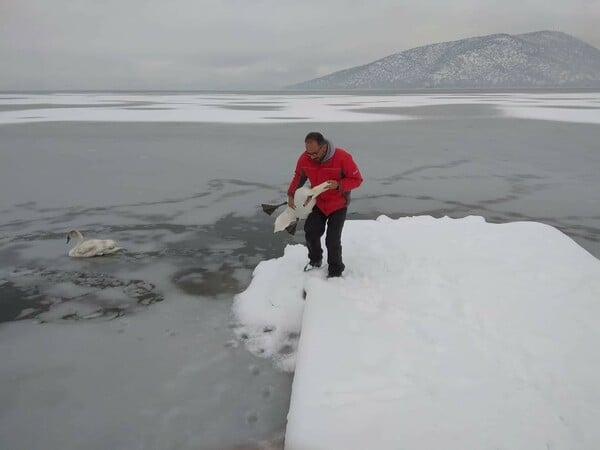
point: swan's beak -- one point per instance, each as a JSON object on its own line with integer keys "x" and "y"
{"x": 68, "y": 238}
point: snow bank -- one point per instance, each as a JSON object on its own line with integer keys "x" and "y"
{"x": 443, "y": 333}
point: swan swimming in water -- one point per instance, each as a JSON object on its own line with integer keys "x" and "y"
{"x": 86, "y": 248}
{"x": 304, "y": 201}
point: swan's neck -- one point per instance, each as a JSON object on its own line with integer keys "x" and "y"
{"x": 319, "y": 189}
{"x": 79, "y": 237}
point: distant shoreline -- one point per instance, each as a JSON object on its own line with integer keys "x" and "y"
{"x": 312, "y": 91}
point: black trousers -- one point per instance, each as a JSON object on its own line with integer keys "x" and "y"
{"x": 314, "y": 227}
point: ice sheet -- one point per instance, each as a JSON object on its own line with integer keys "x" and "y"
{"x": 280, "y": 108}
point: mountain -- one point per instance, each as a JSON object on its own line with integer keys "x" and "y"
{"x": 538, "y": 59}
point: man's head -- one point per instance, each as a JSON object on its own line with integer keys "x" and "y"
{"x": 315, "y": 145}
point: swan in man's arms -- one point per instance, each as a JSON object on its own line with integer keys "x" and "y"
{"x": 86, "y": 248}
{"x": 305, "y": 199}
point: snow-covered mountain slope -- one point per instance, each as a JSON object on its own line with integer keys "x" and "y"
{"x": 538, "y": 59}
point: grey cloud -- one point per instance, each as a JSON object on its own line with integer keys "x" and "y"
{"x": 236, "y": 44}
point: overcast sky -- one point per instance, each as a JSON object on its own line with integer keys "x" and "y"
{"x": 245, "y": 44}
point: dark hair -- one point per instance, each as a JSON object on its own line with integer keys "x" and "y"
{"x": 315, "y": 136}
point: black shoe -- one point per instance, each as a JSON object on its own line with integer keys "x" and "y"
{"x": 312, "y": 265}
{"x": 335, "y": 271}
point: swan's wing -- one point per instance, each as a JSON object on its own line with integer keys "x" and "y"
{"x": 113, "y": 250}
{"x": 300, "y": 198}
{"x": 96, "y": 247}
{"x": 109, "y": 243}
{"x": 302, "y": 210}
{"x": 108, "y": 247}
{"x": 283, "y": 220}
{"x": 301, "y": 195}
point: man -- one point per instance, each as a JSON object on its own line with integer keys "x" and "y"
{"x": 322, "y": 162}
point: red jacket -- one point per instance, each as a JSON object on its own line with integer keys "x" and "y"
{"x": 340, "y": 167}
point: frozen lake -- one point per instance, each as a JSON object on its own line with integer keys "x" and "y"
{"x": 138, "y": 350}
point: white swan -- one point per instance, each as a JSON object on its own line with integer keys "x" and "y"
{"x": 304, "y": 201}
{"x": 91, "y": 247}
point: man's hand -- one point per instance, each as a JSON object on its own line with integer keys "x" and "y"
{"x": 291, "y": 202}
{"x": 332, "y": 184}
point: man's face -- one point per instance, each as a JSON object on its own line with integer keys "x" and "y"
{"x": 314, "y": 150}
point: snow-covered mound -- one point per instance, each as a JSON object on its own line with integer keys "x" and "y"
{"x": 538, "y": 59}
{"x": 443, "y": 333}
